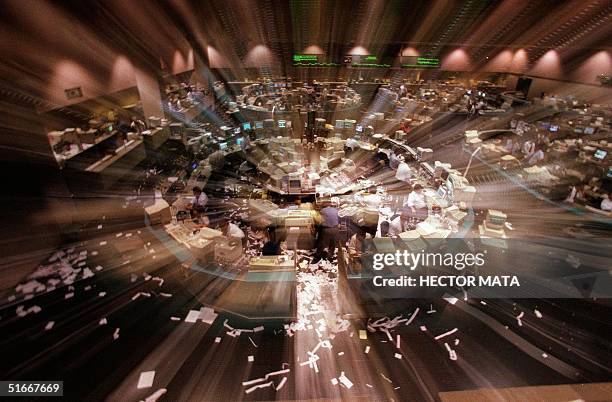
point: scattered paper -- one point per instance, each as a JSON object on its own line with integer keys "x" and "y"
{"x": 192, "y": 316}
{"x": 146, "y": 379}
{"x": 452, "y": 331}
{"x": 281, "y": 383}
{"x": 345, "y": 381}
{"x": 156, "y": 395}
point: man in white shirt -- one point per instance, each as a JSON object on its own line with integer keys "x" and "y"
{"x": 417, "y": 202}
{"x": 198, "y": 203}
{"x": 606, "y": 203}
{"x": 231, "y": 230}
{"x": 351, "y": 143}
{"x": 404, "y": 173}
{"x": 536, "y": 157}
{"x": 399, "y": 224}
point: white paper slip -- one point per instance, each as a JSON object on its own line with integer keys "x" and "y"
{"x": 207, "y": 315}
{"x": 192, "y": 316}
{"x": 146, "y": 379}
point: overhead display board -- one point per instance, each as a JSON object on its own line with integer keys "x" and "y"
{"x": 420, "y": 62}
{"x": 312, "y": 60}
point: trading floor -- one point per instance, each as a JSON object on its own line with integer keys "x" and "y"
{"x": 234, "y": 205}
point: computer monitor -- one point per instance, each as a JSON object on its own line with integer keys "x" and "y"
{"x": 449, "y": 186}
{"x": 246, "y": 126}
{"x": 609, "y": 172}
{"x": 600, "y": 154}
{"x": 295, "y": 184}
{"x": 237, "y": 130}
{"x": 223, "y": 146}
{"x": 553, "y": 128}
{"x": 544, "y": 125}
{"x": 589, "y": 130}
{"x": 258, "y": 125}
{"x": 441, "y": 191}
{"x": 239, "y": 141}
{"x": 282, "y": 123}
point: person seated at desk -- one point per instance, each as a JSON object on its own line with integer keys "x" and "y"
{"x": 272, "y": 245}
{"x": 359, "y": 246}
{"x": 232, "y": 230}
{"x": 536, "y": 157}
{"x": 400, "y": 223}
{"x": 384, "y": 229}
{"x": 198, "y": 203}
{"x": 606, "y": 203}
{"x": 417, "y": 202}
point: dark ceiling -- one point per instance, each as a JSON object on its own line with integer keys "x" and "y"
{"x": 146, "y": 31}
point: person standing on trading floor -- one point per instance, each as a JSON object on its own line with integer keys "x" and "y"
{"x": 417, "y": 203}
{"x": 328, "y": 235}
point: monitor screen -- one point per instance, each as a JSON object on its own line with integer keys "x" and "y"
{"x": 282, "y": 123}
{"x": 600, "y": 154}
{"x": 239, "y": 140}
{"x": 246, "y": 126}
{"x": 442, "y": 191}
{"x": 589, "y": 130}
{"x": 554, "y": 128}
{"x": 359, "y": 128}
{"x": 259, "y": 124}
{"x": 237, "y": 130}
{"x": 610, "y": 171}
{"x": 449, "y": 186}
{"x": 223, "y": 146}
{"x": 295, "y": 184}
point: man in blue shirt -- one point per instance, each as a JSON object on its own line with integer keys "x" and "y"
{"x": 328, "y": 233}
